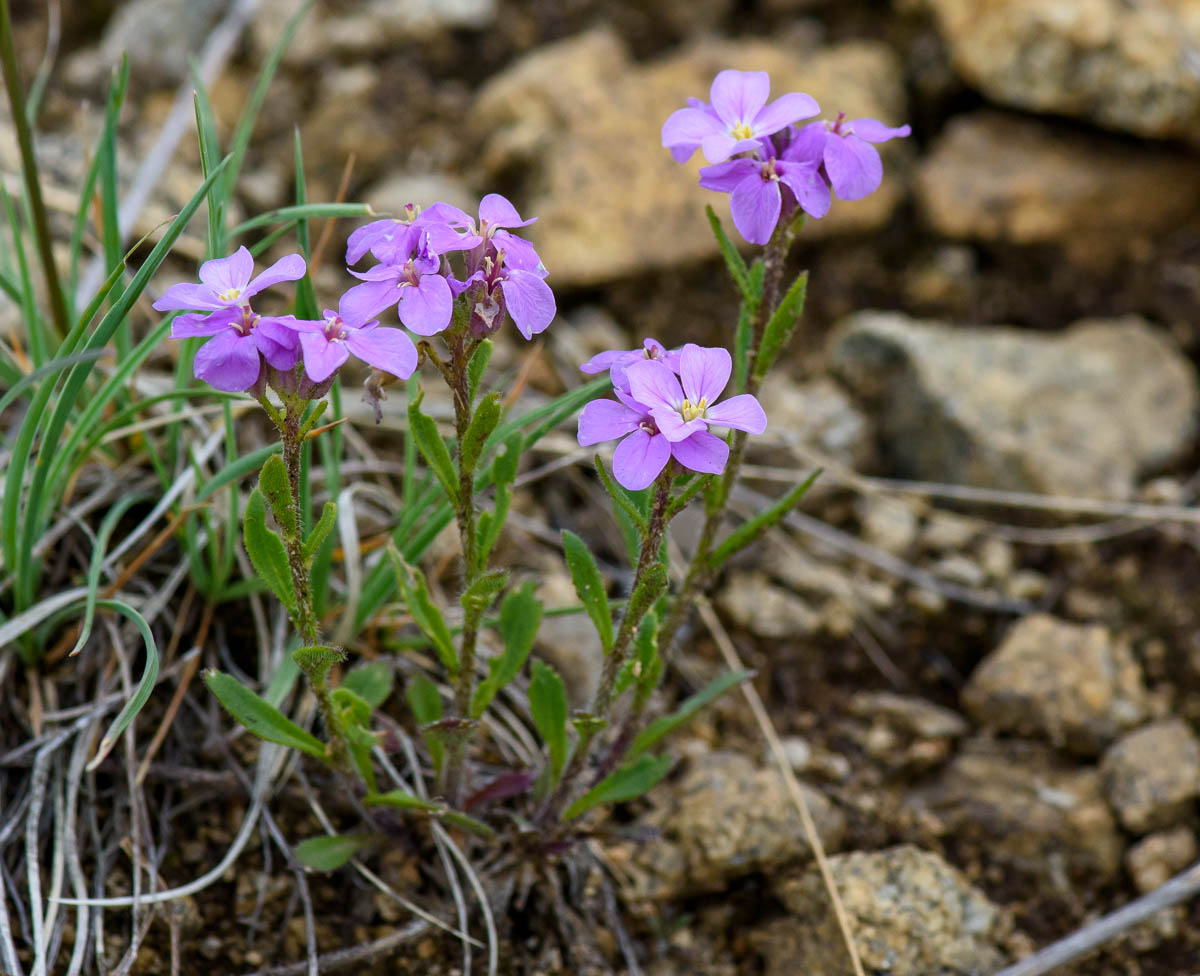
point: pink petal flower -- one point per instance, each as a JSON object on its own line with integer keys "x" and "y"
{"x": 639, "y": 459}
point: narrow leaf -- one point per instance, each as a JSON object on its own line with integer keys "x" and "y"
{"x": 487, "y": 416}
{"x": 261, "y": 717}
{"x": 401, "y": 800}
{"x": 589, "y": 584}
{"x": 321, "y": 530}
{"x": 267, "y": 553}
{"x": 478, "y": 366}
{"x": 479, "y": 595}
{"x": 426, "y": 703}
{"x": 664, "y": 725}
{"x": 316, "y": 660}
{"x": 424, "y": 612}
{"x": 733, "y": 260}
{"x": 273, "y": 483}
{"x": 372, "y": 683}
{"x": 627, "y": 783}
{"x": 432, "y": 448}
{"x": 520, "y": 616}
{"x": 508, "y": 457}
{"x": 781, "y": 325}
{"x": 548, "y": 705}
{"x": 330, "y": 852}
{"x": 747, "y": 532}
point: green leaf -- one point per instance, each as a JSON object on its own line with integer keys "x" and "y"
{"x": 426, "y": 703}
{"x": 747, "y": 532}
{"x": 733, "y": 260}
{"x": 273, "y": 483}
{"x": 432, "y": 447}
{"x": 330, "y": 852}
{"x": 316, "y": 660}
{"x": 589, "y": 584}
{"x": 492, "y": 523}
{"x": 321, "y": 530}
{"x": 548, "y": 704}
{"x": 630, "y": 781}
{"x": 424, "y": 612}
{"x": 653, "y": 585}
{"x": 401, "y": 800}
{"x": 480, "y": 594}
{"x": 664, "y": 725}
{"x": 261, "y": 717}
{"x": 267, "y": 553}
{"x": 487, "y": 416}
{"x": 781, "y": 325}
{"x": 741, "y": 346}
{"x": 141, "y": 694}
{"x": 520, "y": 615}
{"x": 478, "y": 366}
{"x": 371, "y": 682}
{"x": 508, "y": 457}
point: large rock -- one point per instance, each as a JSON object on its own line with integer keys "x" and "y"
{"x": 1152, "y": 776}
{"x": 912, "y": 915}
{"x": 1026, "y": 809}
{"x": 725, "y": 818}
{"x": 997, "y": 177}
{"x": 581, "y": 122}
{"x": 1076, "y": 686}
{"x": 1081, "y": 413}
{"x": 1125, "y": 66}
{"x": 159, "y": 36}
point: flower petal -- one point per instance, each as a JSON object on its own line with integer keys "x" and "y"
{"x": 606, "y": 420}
{"x": 808, "y": 144}
{"x": 742, "y": 412}
{"x": 872, "y": 130}
{"x": 519, "y": 254}
{"x": 811, "y": 192}
{"x": 755, "y": 206}
{"x": 686, "y": 128}
{"x": 719, "y": 146}
{"x": 279, "y": 344}
{"x": 530, "y": 302}
{"x": 602, "y": 361}
{"x": 377, "y": 231}
{"x": 322, "y": 358}
{"x": 703, "y": 452}
{"x": 390, "y": 350}
{"x": 727, "y": 176}
{"x": 854, "y": 167}
{"x": 364, "y": 302}
{"x": 204, "y": 324}
{"x": 738, "y": 95}
{"x": 704, "y": 372}
{"x": 426, "y": 308}
{"x": 639, "y": 459}
{"x": 228, "y": 361}
{"x": 672, "y": 425}
{"x": 188, "y": 295}
{"x": 783, "y": 112}
{"x": 288, "y": 268}
{"x": 228, "y": 274}
{"x": 652, "y": 383}
{"x": 498, "y": 212}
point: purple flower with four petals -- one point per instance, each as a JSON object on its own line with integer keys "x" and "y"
{"x": 617, "y": 361}
{"x": 659, "y": 419}
{"x": 413, "y": 280}
{"x": 850, "y": 163}
{"x": 327, "y": 344}
{"x": 239, "y": 338}
{"x": 736, "y": 119}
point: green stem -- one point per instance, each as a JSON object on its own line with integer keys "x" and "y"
{"x": 16, "y": 100}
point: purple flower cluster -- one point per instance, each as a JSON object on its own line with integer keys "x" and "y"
{"x": 666, "y": 401}
{"x": 502, "y": 274}
{"x": 768, "y": 165}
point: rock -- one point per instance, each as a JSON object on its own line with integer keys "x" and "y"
{"x": 1002, "y": 178}
{"x": 912, "y": 915}
{"x": 367, "y": 26}
{"x": 1027, "y": 810}
{"x": 1152, "y": 776}
{"x": 913, "y": 716}
{"x": 582, "y": 123}
{"x": 1152, "y": 861}
{"x": 818, "y": 416}
{"x": 726, "y": 818}
{"x": 1122, "y": 66}
{"x": 1082, "y": 413}
{"x": 1075, "y": 685}
{"x": 764, "y": 609}
{"x": 887, "y": 523}
{"x": 159, "y": 36}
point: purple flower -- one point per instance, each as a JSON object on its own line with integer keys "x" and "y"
{"x": 851, "y": 164}
{"x": 617, "y": 361}
{"x": 226, "y": 282}
{"x": 392, "y": 240}
{"x": 757, "y": 186}
{"x": 414, "y": 281}
{"x": 504, "y": 274}
{"x": 327, "y": 344}
{"x": 239, "y": 338}
{"x": 682, "y": 411}
{"x": 737, "y": 118}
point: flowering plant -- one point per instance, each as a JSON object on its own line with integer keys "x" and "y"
{"x": 681, "y": 418}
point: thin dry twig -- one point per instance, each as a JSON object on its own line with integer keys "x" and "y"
{"x": 734, "y": 662}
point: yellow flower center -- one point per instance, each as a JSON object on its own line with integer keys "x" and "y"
{"x": 742, "y": 131}
{"x": 690, "y": 411}
{"x": 231, "y": 295}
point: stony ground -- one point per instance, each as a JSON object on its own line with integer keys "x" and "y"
{"x": 992, "y": 698}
